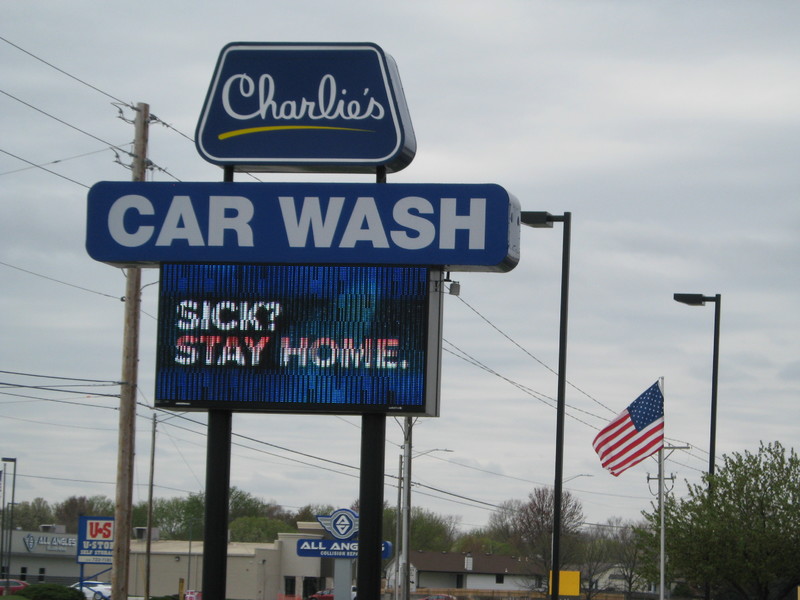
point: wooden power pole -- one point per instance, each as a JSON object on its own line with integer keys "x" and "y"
{"x": 128, "y": 390}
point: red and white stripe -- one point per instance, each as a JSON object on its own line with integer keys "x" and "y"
{"x": 620, "y": 446}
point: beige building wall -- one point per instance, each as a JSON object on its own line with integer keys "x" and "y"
{"x": 255, "y": 571}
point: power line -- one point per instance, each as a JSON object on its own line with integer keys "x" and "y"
{"x": 54, "y": 162}
{"x": 59, "y": 377}
{"x": 52, "y": 66}
{"x": 5, "y": 264}
{"x": 513, "y": 341}
{"x": 33, "y": 164}
{"x": 63, "y": 122}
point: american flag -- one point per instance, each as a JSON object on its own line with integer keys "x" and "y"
{"x": 634, "y": 434}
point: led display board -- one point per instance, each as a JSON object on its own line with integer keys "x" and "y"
{"x": 302, "y": 339}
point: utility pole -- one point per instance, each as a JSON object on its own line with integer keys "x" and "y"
{"x": 128, "y": 389}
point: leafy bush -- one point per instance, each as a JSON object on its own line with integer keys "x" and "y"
{"x": 50, "y": 591}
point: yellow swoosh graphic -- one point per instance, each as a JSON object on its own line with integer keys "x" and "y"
{"x": 249, "y": 130}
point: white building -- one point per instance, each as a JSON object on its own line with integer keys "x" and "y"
{"x": 255, "y": 571}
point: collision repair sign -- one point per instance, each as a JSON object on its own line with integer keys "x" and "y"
{"x": 305, "y": 107}
{"x": 462, "y": 227}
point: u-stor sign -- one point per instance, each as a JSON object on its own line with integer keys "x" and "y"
{"x": 466, "y": 227}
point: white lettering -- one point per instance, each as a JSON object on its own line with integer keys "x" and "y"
{"x": 364, "y": 211}
{"x": 220, "y": 219}
{"x": 322, "y": 228}
{"x": 180, "y": 224}
{"x": 116, "y": 220}
{"x": 426, "y": 231}
{"x": 330, "y": 101}
{"x": 474, "y": 222}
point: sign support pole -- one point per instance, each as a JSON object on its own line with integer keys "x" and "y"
{"x": 218, "y": 481}
{"x": 370, "y": 496}
{"x": 370, "y": 500}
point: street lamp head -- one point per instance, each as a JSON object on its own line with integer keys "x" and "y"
{"x": 691, "y": 299}
{"x": 537, "y": 219}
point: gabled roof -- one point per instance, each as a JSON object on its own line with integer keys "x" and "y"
{"x": 456, "y": 562}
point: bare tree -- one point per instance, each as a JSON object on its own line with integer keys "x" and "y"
{"x": 597, "y": 555}
{"x": 628, "y": 554}
{"x": 534, "y": 525}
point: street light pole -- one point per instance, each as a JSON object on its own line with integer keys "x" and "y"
{"x": 403, "y": 556}
{"x": 700, "y": 300}
{"x": 544, "y": 219}
{"x": 6, "y": 566}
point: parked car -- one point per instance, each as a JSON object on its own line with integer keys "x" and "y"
{"x": 328, "y": 594}
{"x": 12, "y": 585}
{"x": 94, "y": 590}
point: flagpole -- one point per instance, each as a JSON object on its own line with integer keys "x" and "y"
{"x": 661, "y": 505}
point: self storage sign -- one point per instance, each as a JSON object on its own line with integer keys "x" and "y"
{"x": 95, "y": 540}
{"x": 305, "y": 107}
{"x": 461, "y": 227}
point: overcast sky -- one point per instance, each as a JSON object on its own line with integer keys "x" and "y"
{"x": 670, "y": 131}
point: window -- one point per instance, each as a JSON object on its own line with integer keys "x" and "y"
{"x": 23, "y": 573}
{"x": 499, "y": 578}
{"x": 41, "y": 574}
{"x": 289, "y": 586}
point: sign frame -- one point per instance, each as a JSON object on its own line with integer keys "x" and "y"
{"x": 89, "y": 552}
{"x": 364, "y": 351}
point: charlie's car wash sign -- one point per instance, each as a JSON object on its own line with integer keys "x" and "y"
{"x": 461, "y": 227}
{"x": 321, "y": 107}
{"x": 322, "y": 339}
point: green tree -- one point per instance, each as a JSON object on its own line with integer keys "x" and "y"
{"x": 67, "y": 512}
{"x": 309, "y": 512}
{"x": 257, "y": 529}
{"x": 740, "y": 529}
{"x": 29, "y": 515}
{"x": 179, "y": 518}
{"x": 430, "y": 531}
{"x": 483, "y": 541}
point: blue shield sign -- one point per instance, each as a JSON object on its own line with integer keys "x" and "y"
{"x": 309, "y": 107}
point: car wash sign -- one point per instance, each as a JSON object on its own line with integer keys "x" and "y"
{"x": 310, "y": 107}
{"x": 462, "y": 227}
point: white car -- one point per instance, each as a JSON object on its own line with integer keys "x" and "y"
{"x": 94, "y": 590}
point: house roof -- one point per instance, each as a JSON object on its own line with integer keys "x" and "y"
{"x": 456, "y": 562}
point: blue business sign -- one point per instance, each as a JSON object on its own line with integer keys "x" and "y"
{"x": 301, "y": 339}
{"x": 335, "y": 548}
{"x": 320, "y": 107}
{"x": 460, "y": 227}
{"x": 95, "y": 540}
